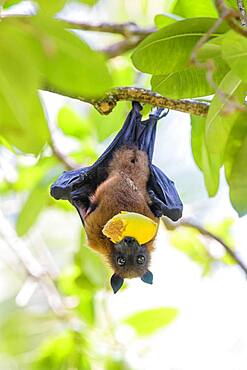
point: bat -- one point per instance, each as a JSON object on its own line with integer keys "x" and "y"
{"x": 122, "y": 179}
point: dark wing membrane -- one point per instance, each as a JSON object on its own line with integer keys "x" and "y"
{"x": 67, "y": 181}
{"x": 164, "y": 195}
{"x": 133, "y": 132}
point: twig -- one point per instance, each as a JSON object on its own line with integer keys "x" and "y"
{"x": 187, "y": 223}
{"x": 243, "y": 16}
{"x": 230, "y": 15}
{"x": 128, "y": 29}
{"x": 106, "y": 103}
{"x": 209, "y": 64}
{"x": 122, "y": 46}
{"x": 34, "y": 270}
{"x": 68, "y": 163}
{"x": 132, "y": 33}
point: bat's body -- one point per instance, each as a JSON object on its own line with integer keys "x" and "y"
{"x": 122, "y": 179}
{"x": 125, "y": 189}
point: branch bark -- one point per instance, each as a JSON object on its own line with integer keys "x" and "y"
{"x": 188, "y": 223}
{"x": 230, "y": 15}
{"x": 243, "y": 16}
{"x": 106, "y": 103}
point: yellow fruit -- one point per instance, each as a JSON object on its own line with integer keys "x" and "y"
{"x": 138, "y": 226}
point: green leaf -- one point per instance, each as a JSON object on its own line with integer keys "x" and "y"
{"x": 88, "y": 2}
{"x": 234, "y": 4}
{"x": 149, "y": 321}
{"x": 67, "y": 350}
{"x": 169, "y": 49}
{"x": 162, "y": 20}
{"x": 194, "y": 8}
{"x": 234, "y": 51}
{"x": 36, "y": 202}
{"x": 169, "y": 5}
{"x": 238, "y": 180}
{"x": 69, "y": 64}
{"x": 48, "y": 8}
{"x": 235, "y": 142}
{"x": 8, "y": 3}
{"x": 197, "y": 138}
{"x": 201, "y": 155}
{"x": 116, "y": 364}
{"x": 218, "y": 124}
{"x": 107, "y": 125}
{"x": 22, "y": 121}
{"x": 21, "y": 330}
{"x": 72, "y": 124}
{"x": 192, "y": 82}
{"x": 188, "y": 241}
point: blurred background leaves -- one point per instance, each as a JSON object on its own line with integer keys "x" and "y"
{"x": 63, "y": 316}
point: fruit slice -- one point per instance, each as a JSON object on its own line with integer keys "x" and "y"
{"x": 138, "y": 226}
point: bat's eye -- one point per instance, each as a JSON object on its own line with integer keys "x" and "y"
{"x": 140, "y": 259}
{"x": 121, "y": 261}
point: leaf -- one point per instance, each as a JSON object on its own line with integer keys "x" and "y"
{"x": 88, "y": 2}
{"x": 68, "y": 63}
{"x": 8, "y": 3}
{"x": 162, "y": 20}
{"x": 219, "y": 125}
{"x": 235, "y": 142}
{"x": 107, "y": 125}
{"x": 67, "y": 350}
{"x": 201, "y": 155}
{"x": 72, "y": 124}
{"x": 234, "y": 51}
{"x": 238, "y": 180}
{"x": 36, "y": 201}
{"x": 34, "y": 204}
{"x": 194, "y": 8}
{"x": 21, "y": 330}
{"x": 188, "y": 241}
{"x": 22, "y": 121}
{"x": 149, "y": 321}
{"x": 169, "y": 49}
{"x": 192, "y": 82}
{"x": 197, "y": 138}
{"x": 234, "y": 4}
{"x": 49, "y": 8}
{"x": 116, "y": 364}
{"x": 169, "y": 5}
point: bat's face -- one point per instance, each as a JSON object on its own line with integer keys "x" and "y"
{"x": 129, "y": 259}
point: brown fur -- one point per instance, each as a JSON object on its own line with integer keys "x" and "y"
{"x": 125, "y": 189}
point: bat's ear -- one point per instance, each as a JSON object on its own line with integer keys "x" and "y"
{"x": 147, "y": 277}
{"x": 116, "y": 282}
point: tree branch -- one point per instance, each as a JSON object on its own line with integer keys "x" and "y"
{"x": 243, "y": 16}
{"x": 106, "y": 103}
{"x": 127, "y": 30}
{"x": 230, "y": 15}
{"x": 68, "y": 163}
{"x": 37, "y": 274}
{"x": 188, "y": 223}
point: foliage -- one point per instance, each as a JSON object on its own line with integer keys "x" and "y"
{"x": 41, "y": 53}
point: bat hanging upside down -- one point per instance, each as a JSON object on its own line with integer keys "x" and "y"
{"x": 122, "y": 179}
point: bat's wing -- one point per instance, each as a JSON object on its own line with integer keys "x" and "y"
{"x": 76, "y": 186}
{"x": 163, "y": 194}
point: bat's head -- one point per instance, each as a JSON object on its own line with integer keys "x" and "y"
{"x": 129, "y": 259}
